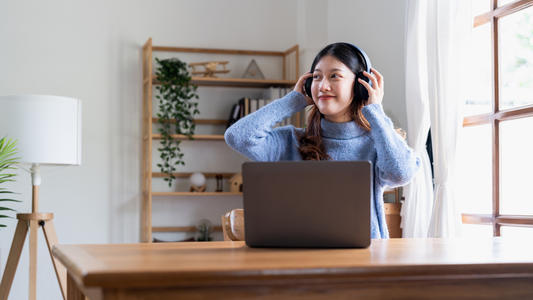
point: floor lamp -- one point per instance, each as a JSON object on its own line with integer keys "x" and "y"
{"x": 48, "y": 132}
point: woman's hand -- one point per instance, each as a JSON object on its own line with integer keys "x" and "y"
{"x": 299, "y": 87}
{"x": 375, "y": 92}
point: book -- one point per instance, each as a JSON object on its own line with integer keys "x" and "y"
{"x": 253, "y": 105}
{"x": 234, "y": 115}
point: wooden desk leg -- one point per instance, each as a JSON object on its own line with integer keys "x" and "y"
{"x": 51, "y": 241}
{"x": 33, "y": 260}
{"x": 13, "y": 258}
{"x": 73, "y": 292}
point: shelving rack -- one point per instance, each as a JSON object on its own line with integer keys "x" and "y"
{"x": 149, "y": 81}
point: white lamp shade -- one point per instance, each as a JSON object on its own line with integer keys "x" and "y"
{"x": 47, "y": 128}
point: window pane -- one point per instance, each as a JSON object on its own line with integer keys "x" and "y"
{"x": 503, "y": 2}
{"x": 479, "y": 98}
{"x": 516, "y": 59}
{"x": 476, "y": 231}
{"x": 522, "y": 233}
{"x": 480, "y": 7}
{"x": 516, "y": 156}
{"x": 474, "y": 163}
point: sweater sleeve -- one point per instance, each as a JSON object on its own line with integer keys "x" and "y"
{"x": 396, "y": 163}
{"x": 254, "y": 135}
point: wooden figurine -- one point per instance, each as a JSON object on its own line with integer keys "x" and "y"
{"x": 210, "y": 68}
{"x": 197, "y": 189}
{"x": 220, "y": 186}
{"x": 235, "y": 183}
{"x": 197, "y": 182}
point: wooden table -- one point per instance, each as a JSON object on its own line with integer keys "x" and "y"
{"x": 390, "y": 269}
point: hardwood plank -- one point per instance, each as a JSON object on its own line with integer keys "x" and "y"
{"x": 235, "y": 264}
{"x": 32, "y": 294}
{"x": 195, "y": 194}
{"x": 146, "y": 200}
{"x": 198, "y": 137}
{"x": 181, "y": 229}
{"x": 485, "y": 219}
{"x": 199, "y": 121}
{"x": 13, "y": 258}
{"x": 185, "y": 175}
{"x": 515, "y": 220}
{"x": 482, "y": 219}
{"x": 216, "y": 51}
{"x": 443, "y": 289}
{"x": 51, "y": 240}
{"x": 73, "y": 292}
{"x": 502, "y": 11}
{"x": 291, "y": 49}
{"x": 237, "y": 82}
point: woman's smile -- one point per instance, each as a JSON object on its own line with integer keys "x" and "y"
{"x": 326, "y": 97}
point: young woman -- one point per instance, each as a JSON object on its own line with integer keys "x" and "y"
{"x": 346, "y": 122}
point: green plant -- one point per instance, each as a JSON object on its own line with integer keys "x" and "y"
{"x": 7, "y": 162}
{"x": 176, "y": 111}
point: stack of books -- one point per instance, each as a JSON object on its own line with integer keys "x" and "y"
{"x": 247, "y": 105}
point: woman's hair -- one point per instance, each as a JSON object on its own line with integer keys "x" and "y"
{"x": 311, "y": 144}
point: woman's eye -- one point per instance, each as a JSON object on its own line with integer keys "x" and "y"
{"x": 334, "y": 76}
{"x": 316, "y": 76}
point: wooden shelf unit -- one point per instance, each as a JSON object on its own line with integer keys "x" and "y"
{"x": 149, "y": 81}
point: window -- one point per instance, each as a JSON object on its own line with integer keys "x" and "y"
{"x": 495, "y": 158}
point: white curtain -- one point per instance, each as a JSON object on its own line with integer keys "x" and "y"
{"x": 436, "y": 75}
{"x": 448, "y": 23}
{"x": 416, "y": 210}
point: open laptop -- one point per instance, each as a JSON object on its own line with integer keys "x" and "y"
{"x": 307, "y": 203}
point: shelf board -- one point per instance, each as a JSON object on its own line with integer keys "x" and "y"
{"x": 238, "y": 82}
{"x": 198, "y": 137}
{"x": 197, "y": 194}
{"x": 186, "y": 174}
{"x": 181, "y": 229}
{"x": 220, "y": 51}
{"x": 198, "y": 121}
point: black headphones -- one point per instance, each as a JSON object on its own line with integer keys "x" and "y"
{"x": 359, "y": 91}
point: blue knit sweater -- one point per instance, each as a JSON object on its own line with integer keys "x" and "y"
{"x": 394, "y": 162}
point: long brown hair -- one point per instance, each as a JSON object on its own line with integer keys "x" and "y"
{"x": 311, "y": 144}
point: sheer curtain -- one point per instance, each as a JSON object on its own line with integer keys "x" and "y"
{"x": 416, "y": 210}
{"x": 436, "y": 37}
{"x": 447, "y": 28}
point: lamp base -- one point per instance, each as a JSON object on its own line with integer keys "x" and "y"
{"x": 31, "y": 221}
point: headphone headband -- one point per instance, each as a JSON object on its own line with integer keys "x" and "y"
{"x": 365, "y": 60}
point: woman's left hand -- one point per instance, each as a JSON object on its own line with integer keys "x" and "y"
{"x": 376, "y": 91}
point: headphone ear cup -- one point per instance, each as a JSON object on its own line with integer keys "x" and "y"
{"x": 307, "y": 86}
{"x": 359, "y": 90}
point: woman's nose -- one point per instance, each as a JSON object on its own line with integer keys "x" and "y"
{"x": 324, "y": 85}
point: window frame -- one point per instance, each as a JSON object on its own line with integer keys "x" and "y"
{"x": 494, "y": 118}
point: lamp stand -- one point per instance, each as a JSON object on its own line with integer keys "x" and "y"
{"x": 31, "y": 221}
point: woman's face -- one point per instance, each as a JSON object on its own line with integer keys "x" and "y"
{"x": 332, "y": 89}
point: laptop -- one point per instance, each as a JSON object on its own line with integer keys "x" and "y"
{"x": 323, "y": 204}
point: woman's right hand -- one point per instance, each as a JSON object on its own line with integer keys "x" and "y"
{"x": 299, "y": 87}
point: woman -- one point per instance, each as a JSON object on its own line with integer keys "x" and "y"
{"x": 346, "y": 122}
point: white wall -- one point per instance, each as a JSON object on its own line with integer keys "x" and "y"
{"x": 378, "y": 27}
{"x": 92, "y": 50}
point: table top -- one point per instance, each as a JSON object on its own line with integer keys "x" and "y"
{"x": 208, "y": 263}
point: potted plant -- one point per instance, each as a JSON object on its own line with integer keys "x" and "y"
{"x": 7, "y": 162}
{"x": 177, "y": 109}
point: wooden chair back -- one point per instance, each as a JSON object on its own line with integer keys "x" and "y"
{"x": 233, "y": 222}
